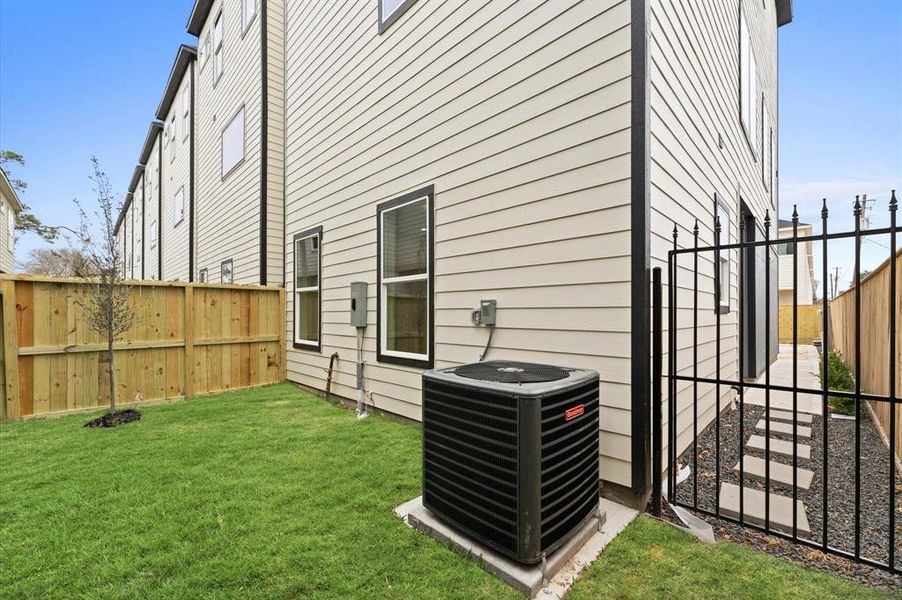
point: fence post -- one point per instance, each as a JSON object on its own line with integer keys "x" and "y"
{"x": 10, "y": 404}
{"x": 283, "y": 350}
{"x": 656, "y": 396}
{"x": 189, "y": 341}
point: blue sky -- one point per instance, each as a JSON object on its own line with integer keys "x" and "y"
{"x": 83, "y": 77}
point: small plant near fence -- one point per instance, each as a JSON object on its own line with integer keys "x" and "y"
{"x": 839, "y": 378}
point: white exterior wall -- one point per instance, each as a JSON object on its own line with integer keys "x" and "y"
{"x": 519, "y": 114}
{"x": 805, "y": 280}
{"x": 694, "y": 79}
{"x": 7, "y": 258}
{"x": 151, "y": 183}
{"x": 228, "y": 210}
{"x": 176, "y": 175}
{"x": 139, "y": 226}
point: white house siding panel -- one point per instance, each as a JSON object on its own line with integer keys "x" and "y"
{"x": 129, "y": 224}
{"x": 176, "y": 175}
{"x": 805, "y": 269}
{"x": 151, "y": 184}
{"x": 275, "y": 149}
{"x": 139, "y": 214}
{"x": 694, "y": 102}
{"x": 7, "y": 258}
{"x": 228, "y": 210}
{"x": 519, "y": 114}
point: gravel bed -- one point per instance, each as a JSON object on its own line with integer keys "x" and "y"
{"x": 874, "y": 498}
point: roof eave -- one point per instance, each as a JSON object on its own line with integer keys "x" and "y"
{"x": 198, "y": 17}
{"x": 136, "y": 175}
{"x": 152, "y": 131}
{"x": 8, "y": 190}
{"x": 125, "y": 205}
{"x": 784, "y": 12}
{"x": 182, "y": 59}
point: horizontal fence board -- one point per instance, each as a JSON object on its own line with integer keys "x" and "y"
{"x": 186, "y": 339}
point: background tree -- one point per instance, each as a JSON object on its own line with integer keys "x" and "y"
{"x": 64, "y": 262}
{"x": 106, "y": 305}
{"x": 25, "y": 219}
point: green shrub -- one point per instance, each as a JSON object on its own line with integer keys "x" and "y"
{"x": 839, "y": 377}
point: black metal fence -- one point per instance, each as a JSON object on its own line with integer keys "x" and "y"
{"x": 840, "y": 521}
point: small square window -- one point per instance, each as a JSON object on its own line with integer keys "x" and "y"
{"x": 202, "y": 276}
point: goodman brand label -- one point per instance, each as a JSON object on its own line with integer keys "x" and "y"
{"x": 572, "y": 413}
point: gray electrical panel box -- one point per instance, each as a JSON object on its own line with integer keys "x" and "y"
{"x": 358, "y": 303}
{"x": 485, "y": 315}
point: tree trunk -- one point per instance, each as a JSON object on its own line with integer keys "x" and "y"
{"x": 112, "y": 375}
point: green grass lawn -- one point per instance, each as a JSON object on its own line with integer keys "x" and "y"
{"x": 274, "y": 493}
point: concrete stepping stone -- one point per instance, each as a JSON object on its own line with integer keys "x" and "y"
{"x": 786, "y": 415}
{"x": 782, "y": 400}
{"x": 779, "y": 428}
{"x": 753, "y": 467}
{"x": 784, "y": 447}
{"x": 753, "y": 506}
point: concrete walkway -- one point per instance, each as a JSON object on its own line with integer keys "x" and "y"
{"x": 781, "y": 374}
{"x": 782, "y": 425}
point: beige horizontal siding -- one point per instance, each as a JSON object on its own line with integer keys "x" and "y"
{"x": 176, "y": 175}
{"x": 228, "y": 211}
{"x": 694, "y": 76}
{"x": 518, "y": 113}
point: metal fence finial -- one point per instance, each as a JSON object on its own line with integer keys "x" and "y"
{"x": 893, "y": 203}
{"x": 824, "y": 211}
{"x": 795, "y": 213}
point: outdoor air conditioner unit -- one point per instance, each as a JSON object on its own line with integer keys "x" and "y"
{"x": 510, "y": 453}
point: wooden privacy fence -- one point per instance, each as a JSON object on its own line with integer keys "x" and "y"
{"x": 187, "y": 339}
{"x": 875, "y": 322}
{"x": 809, "y": 323}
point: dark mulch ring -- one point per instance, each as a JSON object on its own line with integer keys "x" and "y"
{"x": 874, "y": 493}
{"x": 115, "y": 418}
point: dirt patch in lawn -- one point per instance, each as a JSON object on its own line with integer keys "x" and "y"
{"x": 115, "y": 418}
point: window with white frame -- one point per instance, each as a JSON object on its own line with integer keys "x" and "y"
{"x": 202, "y": 277}
{"x": 178, "y": 206}
{"x": 225, "y": 271}
{"x": 248, "y": 10}
{"x": 217, "y": 48}
{"x": 186, "y": 111}
{"x": 172, "y": 138}
{"x": 404, "y": 275}
{"x": 205, "y": 50}
{"x": 307, "y": 288}
{"x": 390, "y": 11}
{"x": 748, "y": 83}
{"x": 232, "y": 143}
{"x": 723, "y": 267}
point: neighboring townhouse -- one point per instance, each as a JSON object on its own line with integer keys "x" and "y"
{"x": 804, "y": 285}
{"x": 152, "y": 157}
{"x": 178, "y": 180}
{"x": 537, "y": 154}
{"x": 10, "y": 205}
{"x": 239, "y": 166}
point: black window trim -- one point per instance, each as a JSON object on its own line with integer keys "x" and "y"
{"x": 429, "y": 193}
{"x": 309, "y": 346}
{"x": 722, "y": 211}
{"x": 385, "y": 23}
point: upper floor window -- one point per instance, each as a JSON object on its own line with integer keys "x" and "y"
{"x": 748, "y": 83}
{"x": 178, "y": 206}
{"x": 186, "y": 111}
{"x": 404, "y": 275}
{"x": 232, "y": 143}
{"x": 204, "y": 50}
{"x": 217, "y": 48}
{"x": 172, "y": 138}
{"x": 390, "y": 11}
{"x": 248, "y": 10}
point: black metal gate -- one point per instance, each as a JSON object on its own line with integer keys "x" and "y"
{"x": 803, "y": 462}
